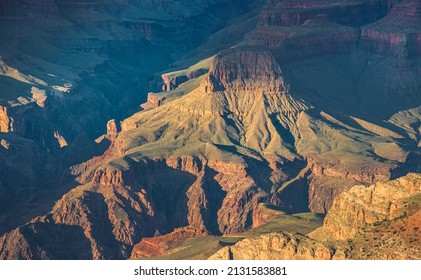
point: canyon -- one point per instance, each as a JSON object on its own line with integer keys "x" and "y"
{"x": 301, "y": 106}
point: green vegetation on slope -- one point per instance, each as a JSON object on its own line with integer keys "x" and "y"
{"x": 203, "y": 247}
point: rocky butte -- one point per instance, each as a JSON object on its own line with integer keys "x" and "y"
{"x": 259, "y": 121}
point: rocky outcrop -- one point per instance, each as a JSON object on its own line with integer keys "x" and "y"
{"x": 362, "y": 206}
{"x": 113, "y": 128}
{"x": 153, "y": 101}
{"x": 238, "y": 65}
{"x": 277, "y": 246}
{"x": 172, "y": 81}
{"x": 244, "y": 69}
{"x": 60, "y": 139}
{"x": 107, "y": 139}
{"x": 5, "y": 121}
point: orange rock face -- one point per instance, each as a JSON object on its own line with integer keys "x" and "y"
{"x": 277, "y": 246}
{"x": 5, "y": 121}
{"x": 361, "y": 206}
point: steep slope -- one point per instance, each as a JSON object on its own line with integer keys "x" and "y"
{"x": 28, "y": 180}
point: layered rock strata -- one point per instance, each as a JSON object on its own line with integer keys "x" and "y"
{"x": 399, "y": 31}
